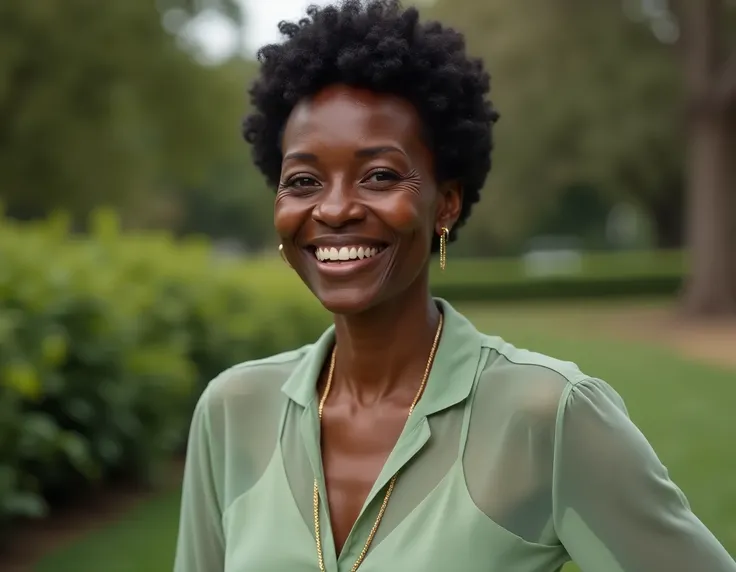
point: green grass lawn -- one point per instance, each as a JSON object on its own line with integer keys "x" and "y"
{"x": 141, "y": 541}
{"x": 684, "y": 408}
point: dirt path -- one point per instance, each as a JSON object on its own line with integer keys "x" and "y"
{"x": 712, "y": 342}
{"x": 653, "y": 322}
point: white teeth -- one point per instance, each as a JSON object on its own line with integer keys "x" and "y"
{"x": 345, "y": 253}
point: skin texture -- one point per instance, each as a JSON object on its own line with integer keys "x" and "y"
{"x": 357, "y": 170}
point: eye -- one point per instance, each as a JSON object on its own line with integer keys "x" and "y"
{"x": 302, "y": 181}
{"x": 381, "y": 176}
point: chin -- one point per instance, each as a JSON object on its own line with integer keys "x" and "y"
{"x": 346, "y": 300}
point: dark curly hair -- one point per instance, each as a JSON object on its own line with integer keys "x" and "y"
{"x": 380, "y": 46}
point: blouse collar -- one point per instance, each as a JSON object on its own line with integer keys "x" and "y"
{"x": 450, "y": 381}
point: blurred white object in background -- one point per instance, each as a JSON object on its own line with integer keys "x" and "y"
{"x": 553, "y": 256}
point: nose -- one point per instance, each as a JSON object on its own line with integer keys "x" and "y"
{"x": 338, "y": 207}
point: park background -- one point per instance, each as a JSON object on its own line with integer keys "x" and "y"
{"x": 137, "y": 256}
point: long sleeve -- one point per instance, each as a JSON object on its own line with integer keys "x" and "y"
{"x": 615, "y": 507}
{"x": 201, "y": 543}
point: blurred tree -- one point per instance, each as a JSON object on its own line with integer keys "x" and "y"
{"x": 709, "y": 66}
{"x": 704, "y": 35}
{"x": 580, "y": 211}
{"x": 104, "y": 106}
{"x": 587, "y": 97}
{"x": 588, "y": 94}
{"x": 232, "y": 201}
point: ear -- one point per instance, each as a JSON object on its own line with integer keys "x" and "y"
{"x": 449, "y": 205}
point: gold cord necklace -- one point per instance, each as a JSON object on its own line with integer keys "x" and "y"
{"x": 392, "y": 482}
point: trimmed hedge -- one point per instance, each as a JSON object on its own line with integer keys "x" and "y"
{"x": 560, "y": 289}
{"x": 105, "y": 343}
{"x": 599, "y": 275}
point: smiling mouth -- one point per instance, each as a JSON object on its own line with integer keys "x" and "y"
{"x": 335, "y": 255}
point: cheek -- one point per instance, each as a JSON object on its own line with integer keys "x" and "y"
{"x": 407, "y": 210}
{"x": 288, "y": 214}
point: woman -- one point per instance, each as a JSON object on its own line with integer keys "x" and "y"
{"x": 404, "y": 439}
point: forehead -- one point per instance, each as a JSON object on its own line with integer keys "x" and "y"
{"x": 346, "y": 116}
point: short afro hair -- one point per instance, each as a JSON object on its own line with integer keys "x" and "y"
{"x": 380, "y": 46}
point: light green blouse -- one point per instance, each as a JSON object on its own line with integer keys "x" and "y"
{"x": 511, "y": 462}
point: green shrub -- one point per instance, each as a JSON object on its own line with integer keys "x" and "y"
{"x": 105, "y": 344}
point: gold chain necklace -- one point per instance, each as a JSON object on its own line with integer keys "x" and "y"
{"x": 392, "y": 482}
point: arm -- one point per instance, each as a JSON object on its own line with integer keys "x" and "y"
{"x": 201, "y": 542}
{"x": 615, "y": 508}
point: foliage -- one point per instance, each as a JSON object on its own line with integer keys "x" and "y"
{"x": 587, "y": 97}
{"x": 106, "y": 107}
{"x": 632, "y": 98}
{"x": 232, "y": 202}
{"x": 104, "y": 343}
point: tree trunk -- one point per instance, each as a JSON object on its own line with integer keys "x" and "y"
{"x": 710, "y": 289}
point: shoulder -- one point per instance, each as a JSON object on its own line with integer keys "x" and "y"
{"x": 252, "y": 381}
{"x": 529, "y": 384}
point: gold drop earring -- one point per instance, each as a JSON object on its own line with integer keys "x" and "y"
{"x": 444, "y": 235}
{"x": 283, "y": 256}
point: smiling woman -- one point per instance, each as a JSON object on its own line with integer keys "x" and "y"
{"x": 358, "y": 177}
{"x": 404, "y": 439}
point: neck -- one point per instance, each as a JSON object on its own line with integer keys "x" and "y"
{"x": 386, "y": 348}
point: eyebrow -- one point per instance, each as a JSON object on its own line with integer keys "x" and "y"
{"x": 301, "y": 156}
{"x": 372, "y": 151}
{"x": 367, "y": 152}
